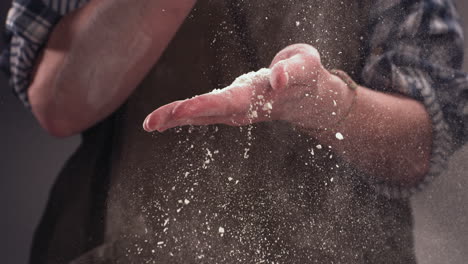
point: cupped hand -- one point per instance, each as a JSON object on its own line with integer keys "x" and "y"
{"x": 296, "y": 89}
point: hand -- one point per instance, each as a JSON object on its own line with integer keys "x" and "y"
{"x": 297, "y": 89}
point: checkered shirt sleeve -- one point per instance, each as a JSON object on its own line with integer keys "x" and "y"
{"x": 416, "y": 49}
{"x": 28, "y": 25}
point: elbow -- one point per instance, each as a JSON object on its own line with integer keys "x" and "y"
{"x": 415, "y": 175}
{"x": 414, "y": 171}
{"x": 54, "y": 127}
{"x": 55, "y": 121}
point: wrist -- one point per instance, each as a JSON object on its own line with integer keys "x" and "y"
{"x": 348, "y": 91}
{"x": 338, "y": 93}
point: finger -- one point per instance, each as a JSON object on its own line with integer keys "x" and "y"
{"x": 239, "y": 120}
{"x": 227, "y": 102}
{"x": 279, "y": 76}
{"x": 300, "y": 69}
{"x": 293, "y": 50}
{"x": 224, "y": 103}
{"x": 159, "y": 116}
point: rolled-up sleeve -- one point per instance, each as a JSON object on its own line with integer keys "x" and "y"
{"x": 416, "y": 49}
{"x": 28, "y": 26}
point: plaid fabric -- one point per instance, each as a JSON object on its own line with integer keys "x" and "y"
{"x": 415, "y": 48}
{"x": 28, "y": 25}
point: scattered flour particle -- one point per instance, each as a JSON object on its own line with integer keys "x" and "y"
{"x": 246, "y": 153}
{"x": 319, "y": 146}
{"x": 339, "y": 136}
{"x": 161, "y": 243}
{"x": 221, "y": 230}
{"x": 332, "y": 179}
{"x": 178, "y": 210}
{"x": 267, "y": 106}
{"x": 254, "y": 114}
{"x": 298, "y": 23}
{"x": 247, "y": 79}
{"x": 186, "y": 201}
{"x": 333, "y": 113}
{"x": 230, "y": 178}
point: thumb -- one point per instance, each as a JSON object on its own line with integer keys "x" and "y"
{"x": 300, "y": 69}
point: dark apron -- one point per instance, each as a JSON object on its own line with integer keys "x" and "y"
{"x": 217, "y": 194}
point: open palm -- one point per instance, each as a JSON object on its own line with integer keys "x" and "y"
{"x": 294, "y": 89}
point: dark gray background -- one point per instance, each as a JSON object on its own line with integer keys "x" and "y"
{"x": 30, "y": 160}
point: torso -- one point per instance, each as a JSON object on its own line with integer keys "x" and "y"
{"x": 256, "y": 194}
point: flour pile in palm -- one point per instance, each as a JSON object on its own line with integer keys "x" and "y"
{"x": 253, "y": 79}
{"x": 248, "y": 79}
{"x": 257, "y": 101}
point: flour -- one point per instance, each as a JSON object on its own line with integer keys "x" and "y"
{"x": 258, "y": 104}
{"x": 267, "y": 106}
{"x": 339, "y": 136}
{"x": 221, "y": 231}
{"x": 247, "y": 79}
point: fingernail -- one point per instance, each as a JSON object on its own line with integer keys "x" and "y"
{"x": 145, "y": 124}
{"x": 286, "y": 76}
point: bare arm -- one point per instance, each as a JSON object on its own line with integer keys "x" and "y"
{"x": 95, "y": 58}
{"x": 385, "y": 135}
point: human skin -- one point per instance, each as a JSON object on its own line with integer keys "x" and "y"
{"x": 94, "y": 59}
{"x": 386, "y": 135}
{"x": 69, "y": 93}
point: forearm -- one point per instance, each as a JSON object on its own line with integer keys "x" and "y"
{"x": 387, "y": 136}
{"x": 96, "y": 57}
